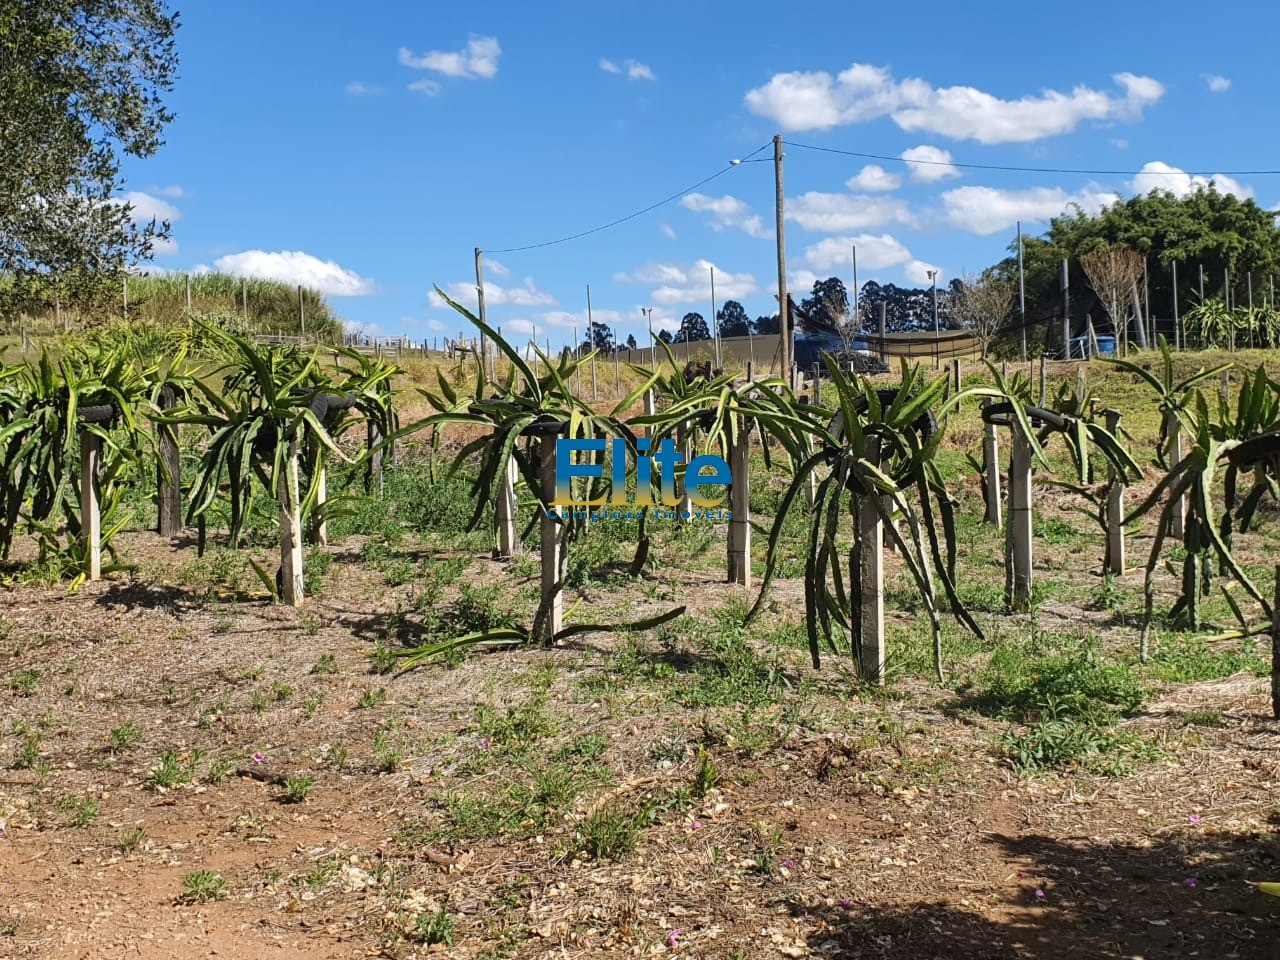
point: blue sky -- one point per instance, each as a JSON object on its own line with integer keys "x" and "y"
{"x": 368, "y": 148}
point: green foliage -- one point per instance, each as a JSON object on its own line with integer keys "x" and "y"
{"x": 81, "y": 83}
{"x": 202, "y": 886}
{"x": 40, "y": 443}
{"x": 297, "y": 787}
{"x": 612, "y": 831}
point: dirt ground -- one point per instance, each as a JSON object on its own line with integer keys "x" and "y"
{"x": 835, "y": 823}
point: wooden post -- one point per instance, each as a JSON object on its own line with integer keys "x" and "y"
{"x": 751, "y": 371}
{"x": 302, "y": 314}
{"x": 882, "y": 326}
{"x": 1018, "y": 539}
{"x": 740, "y": 507}
{"x": 506, "y": 512}
{"x": 1173, "y": 429}
{"x": 685, "y": 447}
{"x": 168, "y": 471}
{"x": 991, "y": 471}
{"x": 1115, "y": 508}
{"x": 290, "y": 530}
{"x": 1044, "y": 379}
{"x": 1275, "y": 651}
{"x": 320, "y": 471}
{"x": 374, "y": 438}
{"x": 870, "y": 579}
{"x": 90, "y": 503}
{"x": 549, "y": 531}
{"x": 649, "y": 407}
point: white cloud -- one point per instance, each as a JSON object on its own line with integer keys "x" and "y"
{"x": 930, "y": 164}
{"x": 678, "y": 284}
{"x": 726, "y": 211}
{"x": 667, "y": 229}
{"x": 986, "y": 210}
{"x": 1157, "y": 175}
{"x": 874, "y": 178}
{"x": 817, "y": 101}
{"x": 146, "y": 207}
{"x": 495, "y": 295}
{"x": 437, "y": 326}
{"x": 296, "y": 267}
{"x": 162, "y": 247}
{"x": 1216, "y": 83}
{"x": 917, "y": 272}
{"x": 835, "y": 212}
{"x": 358, "y": 88}
{"x": 634, "y": 69}
{"x": 496, "y": 267}
{"x": 173, "y": 192}
{"x": 639, "y": 71}
{"x": 801, "y": 282}
{"x": 479, "y": 59}
{"x": 875, "y": 252}
{"x": 428, "y": 87}
{"x": 568, "y": 320}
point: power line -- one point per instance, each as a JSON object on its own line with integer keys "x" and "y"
{"x": 995, "y": 166}
{"x": 639, "y": 213}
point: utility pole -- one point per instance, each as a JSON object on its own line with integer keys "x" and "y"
{"x": 856, "y": 323}
{"x": 937, "y": 336}
{"x": 1022, "y": 294}
{"x": 484, "y": 340}
{"x": 784, "y": 324}
{"x": 715, "y": 322}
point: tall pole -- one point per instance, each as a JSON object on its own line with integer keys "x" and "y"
{"x": 591, "y": 339}
{"x": 1065, "y": 281}
{"x": 784, "y": 325}
{"x": 937, "y": 336}
{"x": 1177, "y": 324}
{"x": 854, "y": 249}
{"x": 715, "y": 322}
{"x": 188, "y": 279}
{"x": 484, "y": 340}
{"x": 302, "y": 314}
{"x": 1022, "y": 294}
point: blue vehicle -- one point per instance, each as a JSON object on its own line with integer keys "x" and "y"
{"x": 809, "y": 348}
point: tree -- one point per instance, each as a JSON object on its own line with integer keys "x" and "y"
{"x": 982, "y": 304}
{"x": 692, "y": 327}
{"x": 81, "y": 82}
{"x": 827, "y": 305}
{"x": 631, "y": 341}
{"x": 1113, "y": 272}
{"x": 765, "y": 326}
{"x": 733, "y": 319}
{"x": 665, "y": 336}
{"x": 599, "y": 336}
{"x": 1205, "y": 228}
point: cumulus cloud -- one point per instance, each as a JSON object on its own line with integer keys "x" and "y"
{"x": 836, "y": 212}
{"x": 816, "y": 100}
{"x": 496, "y": 295}
{"x": 689, "y": 284}
{"x": 917, "y": 272}
{"x": 174, "y": 192}
{"x": 875, "y": 252}
{"x": 986, "y": 210}
{"x": 296, "y": 267}
{"x": 1216, "y": 83}
{"x": 874, "y": 178}
{"x": 145, "y": 207}
{"x": 930, "y": 164}
{"x": 726, "y": 211}
{"x": 478, "y": 59}
{"x": 358, "y": 88}
{"x": 1157, "y": 175}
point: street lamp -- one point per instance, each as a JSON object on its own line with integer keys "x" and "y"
{"x": 937, "y": 337}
